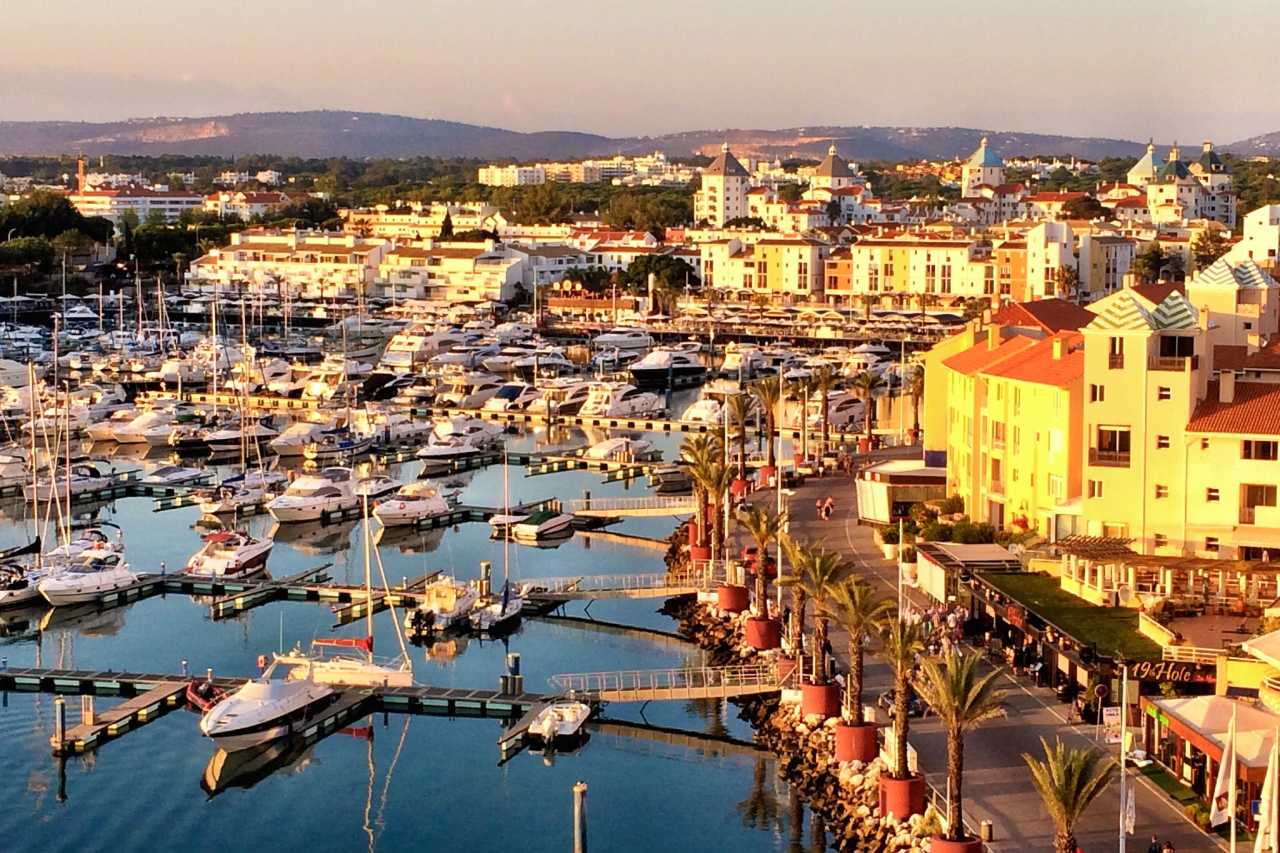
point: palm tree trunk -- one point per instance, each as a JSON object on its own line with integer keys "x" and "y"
{"x": 900, "y": 687}
{"x": 742, "y": 451}
{"x": 798, "y": 602}
{"x": 854, "y": 690}
{"x": 915, "y": 411}
{"x": 762, "y": 590}
{"x": 955, "y": 774}
{"x": 826, "y": 423}
{"x": 819, "y": 648}
{"x": 768, "y": 438}
{"x": 870, "y": 401}
{"x": 1064, "y": 841}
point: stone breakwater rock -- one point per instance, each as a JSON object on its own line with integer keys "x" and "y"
{"x": 846, "y": 796}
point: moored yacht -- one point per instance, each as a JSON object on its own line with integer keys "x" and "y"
{"x": 623, "y": 337}
{"x": 266, "y": 709}
{"x": 444, "y": 603}
{"x": 664, "y": 365}
{"x": 619, "y": 400}
{"x": 230, "y": 554}
{"x": 410, "y": 504}
{"x": 314, "y": 496}
{"x": 85, "y": 579}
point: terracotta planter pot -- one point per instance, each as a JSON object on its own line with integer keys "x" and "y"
{"x": 739, "y": 488}
{"x": 856, "y": 743}
{"x": 901, "y": 797}
{"x": 938, "y": 844}
{"x": 693, "y": 534}
{"x": 733, "y": 599}
{"x": 890, "y": 551}
{"x": 767, "y": 473}
{"x": 820, "y": 699}
{"x": 764, "y": 634}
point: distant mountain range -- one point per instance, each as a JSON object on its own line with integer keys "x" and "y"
{"x": 331, "y": 133}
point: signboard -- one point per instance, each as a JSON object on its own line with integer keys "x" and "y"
{"x": 1015, "y": 615}
{"x": 1111, "y": 724}
{"x": 1167, "y": 670}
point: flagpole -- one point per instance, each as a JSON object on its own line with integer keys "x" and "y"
{"x": 1231, "y": 792}
{"x": 1124, "y": 724}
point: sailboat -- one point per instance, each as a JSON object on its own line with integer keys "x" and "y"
{"x": 357, "y": 670}
{"x": 504, "y": 612}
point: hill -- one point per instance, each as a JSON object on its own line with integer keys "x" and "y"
{"x": 1267, "y": 145}
{"x": 332, "y": 133}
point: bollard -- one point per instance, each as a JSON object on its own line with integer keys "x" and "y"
{"x": 986, "y": 831}
{"x": 580, "y": 817}
{"x": 87, "y": 715}
{"x": 183, "y": 667}
{"x": 513, "y": 663}
{"x": 59, "y": 723}
{"x": 504, "y": 684}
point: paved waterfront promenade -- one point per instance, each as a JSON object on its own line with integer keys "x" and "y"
{"x": 997, "y": 784}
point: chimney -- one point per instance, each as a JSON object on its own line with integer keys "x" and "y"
{"x": 1058, "y": 349}
{"x": 993, "y": 336}
{"x": 1226, "y": 387}
{"x": 80, "y": 175}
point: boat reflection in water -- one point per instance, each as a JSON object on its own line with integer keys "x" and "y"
{"x": 88, "y": 619}
{"x": 245, "y": 768}
{"x": 315, "y": 538}
{"x": 409, "y": 540}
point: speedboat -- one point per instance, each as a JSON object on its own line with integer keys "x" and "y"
{"x": 153, "y": 428}
{"x": 501, "y": 524}
{"x": 543, "y": 524}
{"x": 105, "y": 430}
{"x": 294, "y": 440}
{"x": 664, "y": 365}
{"x": 500, "y": 613}
{"x": 226, "y": 498}
{"x": 513, "y": 397}
{"x": 255, "y": 432}
{"x": 230, "y": 554}
{"x": 338, "y": 444}
{"x": 19, "y": 584}
{"x": 86, "y": 579}
{"x": 559, "y": 721}
{"x": 313, "y": 496}
{"x": 348, "y": 669}
{"x": 444, "y": 603}
{"x": 266, "y": 709}
{"x": 670, "y": 478}
{"x": 619, "y": 400}
{"x": 412, "y": 503}
{"x": 171, "y": 475}
{"x": 623, "y": 337}
{"x": 85, "y": 478}
{"x": 376, "y": 486}
{"x": 623, "y": 449}
{"x": 459, "y": 437}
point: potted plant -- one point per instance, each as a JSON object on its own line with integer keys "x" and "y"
{"x": 889, "y": 542}
{"x": 1068, "y": 781}
{"x": 818, "y": 572}
{"x": 963, "y": 698}
{"x": 901, "y": 791}
{"x": 855, "y": 607}
{"x": 764, "y": 527}
{"x": 768, "y": 392}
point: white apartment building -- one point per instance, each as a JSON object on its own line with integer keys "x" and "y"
{"x": 419, "y": 221}
{"x": 512, "y": 176}
{"x": 313, "y": 264}
{"x": 245, "y": 205}
{"x": 1261, "y": 240}
{"x": 984, "y": 167}
{"x": 451, "y": 274}
{"x": 723, "y": 194}
{"x": 114, "y": 203}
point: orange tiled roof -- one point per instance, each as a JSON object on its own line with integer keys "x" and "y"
{"x": 1037, "y": 364}
{"x": 1051, "y": 315}
{"x": 1255, "y": 410}
{"x": 980, "y": 357}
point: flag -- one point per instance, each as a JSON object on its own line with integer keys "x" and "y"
{"x": 1269, "y": 813}
{"x": 1130, "y": 808}
{"x": 1225, "y": 785}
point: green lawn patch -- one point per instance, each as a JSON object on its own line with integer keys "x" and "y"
{"x": 1112, "y": 630}
{"x": 1165, "y": 781}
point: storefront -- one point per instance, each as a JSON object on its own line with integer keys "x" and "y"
{"x": 887, "y": 491}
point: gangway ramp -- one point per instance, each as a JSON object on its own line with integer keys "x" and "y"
{"x": 645, "y": 506}
{"x": 656, "y": 585}
{"x": 708, "y": 682}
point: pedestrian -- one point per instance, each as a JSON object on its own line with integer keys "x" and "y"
{"x": 1168, "y": 847}
{"x": 1155, "y": 846}
{"x": 828, "y": 507}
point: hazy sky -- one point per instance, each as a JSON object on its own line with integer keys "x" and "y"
{"x": 1175, "y": 69}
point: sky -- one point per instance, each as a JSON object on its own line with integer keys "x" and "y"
{"x": 1133, "y": 69}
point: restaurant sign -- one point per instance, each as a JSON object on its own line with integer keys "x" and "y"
{"x": 1167, "y": 670}
{"x": 1016, "y": 615}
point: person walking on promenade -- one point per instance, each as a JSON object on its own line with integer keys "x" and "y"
{"x": 1155, "y": 846}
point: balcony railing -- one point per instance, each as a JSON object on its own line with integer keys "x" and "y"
{"x": 1115, "y": 361}
{"x": 1173, "y": 363}
{"x": 1109, "y": 458}
{"x": 1248, "y": 514}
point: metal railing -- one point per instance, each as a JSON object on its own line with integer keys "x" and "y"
{"x": 1272, "y": 682}
{"x": 1109, "y": 458}
{"x": 701, "y": 576}
{"x": 677, "y": 503}
{"x": 1190, "y": 654}
{"x": 1173, "y": 363}
{"x": 676, "y": 683}
{"x": 1115, "y": 361}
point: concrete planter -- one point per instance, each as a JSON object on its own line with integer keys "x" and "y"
{"x": 902, "y": 797}
{"x": 856, "y": 743}
{"x": 767, "y": 473}
{"x": 764, "y": 634}
{"x": 820, "y": 699}
{"x": 733, "y": 599}
{"x": 699, "y": 552}
{"x": 890, "y": 551}
{"x": 938, "y": 844}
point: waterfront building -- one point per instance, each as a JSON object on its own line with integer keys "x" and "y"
{"x": 142, "y": 202}
{"x": 305, "y": 263}
{"x": 245, "y": 205}
{"x": 451, "y": 273}
{"x": 773, "y": 269}
{"x": 723, "y": 194}
{"x": 417, "y": 221}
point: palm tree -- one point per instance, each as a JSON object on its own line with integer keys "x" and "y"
{"x": 902, "y": 642}
{"x": 799, "y": 389}
{"x": 963, "y": 698}
{"x": 768, "y": 392}
{"x": 817, "y": 572}
{"x": 866, "y": 384}
{"x": 717, "y": 478}
{"x": 855, "y": 607}
{"x": 915, "y": 387}
{"x": 824, "y": 382}
{"x": 868, "y": 301}
{"x": 697, "y": 452}
{"x": 764, "y": 527}
{"x": 1069, "y": 780}
{"x": 740, "y": 410}
{"x": 760, "y": 809}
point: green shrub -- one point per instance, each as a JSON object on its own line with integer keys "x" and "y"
{"x": 936, "y": 532}
{"x": 951, "y": 505}
{"x": 973, "y": 534}
{"x": 889, "y": 535}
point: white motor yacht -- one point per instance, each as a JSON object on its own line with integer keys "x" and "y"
{"x": 664, "y": 365}
{"x": 105, "y": 430}
{"x": 251, "y": 434}
{"x": 623, "y": 449}
{"x": 337, "y": 444}
{"x": 172, "y": 475}
{"x": 445, "y": 603}
{"x": 543, "y": 524}
{"x": 314, "y": 496}
{"x": 513, "y": 397}
{"x": 619, "y": 400}
{"x": 623, "y": 337}
{"x": 468, "y": 390}
{"x": 295, "y": 438}
{"x": 563, "y": 396}
{"x": 458, "y": 437}
{"x": 709, "y": 407}
{"x": 266, "y": 709}
{"x": 559, "y": 721}
{"x": 743, "y": 361}
{"x": 412, "y": 503}
{"x": 230, "y": 554}
{"x": 153, "y": 428}
{"x": 85, "y": 478}
{"x": 500, "y": 613}
{"x": 85, "y": 579}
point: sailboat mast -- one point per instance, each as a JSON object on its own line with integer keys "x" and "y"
{"x": 506, "y": 528}
{"x": 35, "y": 476}
{"x": 368, "y": 579}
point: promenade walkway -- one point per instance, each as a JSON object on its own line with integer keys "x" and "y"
{"x": 997, "y": 785}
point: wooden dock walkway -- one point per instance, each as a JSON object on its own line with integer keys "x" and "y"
{"x": 115, "y": 721}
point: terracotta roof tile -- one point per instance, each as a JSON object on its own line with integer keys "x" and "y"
{"x": 980, "y": 357}
{"x": 1255, "y": 410}
{"x": 1051, "y": 315}
{"x": 1037, "y": 364}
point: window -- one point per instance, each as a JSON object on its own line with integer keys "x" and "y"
{"x": 1212, "y": 495}
{"x": 1211, "y": 544}
{"x": 1263, "y": 450}
{"x": 1115, "y": 354}
{"x": 1095, "y": 488}
{"x": 1177, "y": 346}
{"x": 1252, "y": 496}
{"x": 1160, "y": 540}
{"x": 1111, "y": 447}
{"x": 1163, "y": 393}
{"x": 1097, "y": 393}
{"x": 1204, "y": 444}
{"x": 1162, "y": 442}
{"x": 1162, "y": 492}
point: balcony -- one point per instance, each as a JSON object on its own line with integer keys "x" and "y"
{"x": 1109, "y": 458}
{"x": 1173, "y": 363}
{"x": 1115, "y": 361}
{"x": 996, "y": 487}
